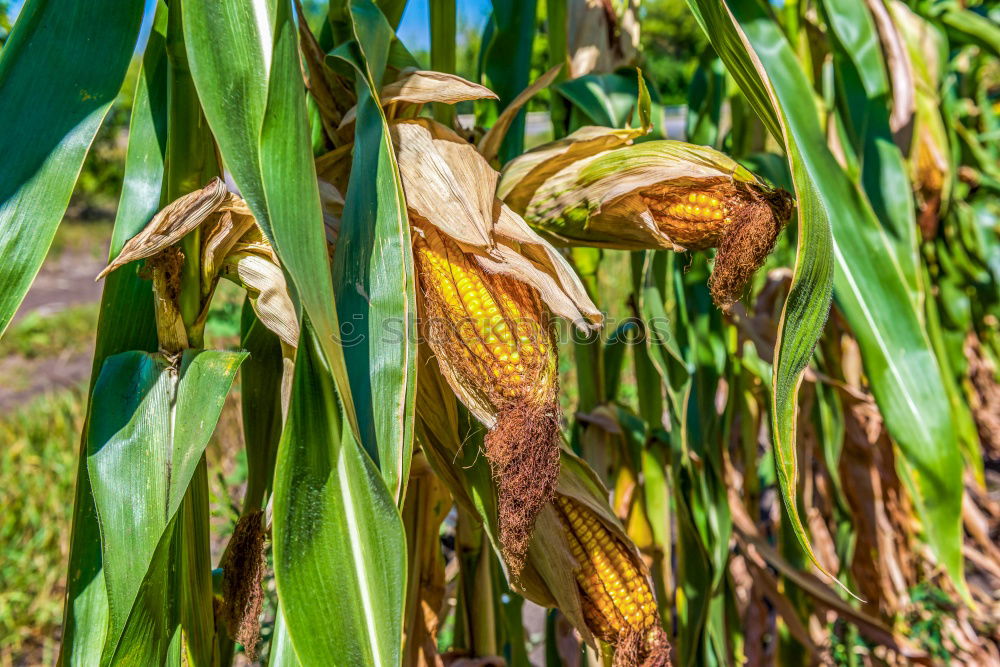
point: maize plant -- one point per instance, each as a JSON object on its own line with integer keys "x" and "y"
{"x": 700, "y": 385}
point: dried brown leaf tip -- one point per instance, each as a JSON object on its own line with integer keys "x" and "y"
{"x": 658, "y": 194}
{"x": 232, "y": 246}
{"x": 617, "y": 600}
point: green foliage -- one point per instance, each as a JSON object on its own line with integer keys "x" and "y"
{"x": 65, "y": 332}
{"x": 672, "y": 45}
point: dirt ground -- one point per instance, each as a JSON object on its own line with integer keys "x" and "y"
{"x": 63, "y": 282}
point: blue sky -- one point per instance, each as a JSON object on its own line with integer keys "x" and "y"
{"x": 414, "y": 29}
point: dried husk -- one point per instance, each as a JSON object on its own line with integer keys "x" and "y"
{"x": 459, "y": 229}
{"x": 174, "y": 222}
{"x": 233, "y": 246}
{"x": 419, "y": 87}
{"x": 489, "y": 143}
{"x": 658, "y": 194}
{"x": 449, "y": 185}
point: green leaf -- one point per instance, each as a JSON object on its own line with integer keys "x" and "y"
{"x": 57, "y": 82}
{"x": 610, "y": 100}
{"x": 282, "y": 654}
{"x": 126, "y": 323}
{"x": 252, "y": 93}
{"x": 339, "y": 545}
{"x": 260, "y": 396}
{"x": 373, "y": 268}
{"x": 150, "y": 423}
{"x": 863, "y": 100}
{"x": 506, "y": 61}
{"x": 899, "y": 362}
{"x": 965, "y": 26}
{"x": 777, "y": 92}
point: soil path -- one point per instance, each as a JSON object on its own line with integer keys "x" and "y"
{"x": 63, "y": 282}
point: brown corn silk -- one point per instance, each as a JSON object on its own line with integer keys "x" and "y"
{"x": 492, "y": 336}
{"x": 741, "y": 220}
{"x": 617, "y": 600}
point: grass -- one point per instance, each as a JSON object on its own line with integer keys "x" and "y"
{"x": 37, "y": 472}
{"x": 37, "y": 335}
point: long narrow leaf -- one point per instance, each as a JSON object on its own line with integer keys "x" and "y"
{"x": 57, "y": 81}
{"x": 126, "y": 323}
{"x": 251, "y": 91}
{"x": 149, "y": 426}
{"x": 339, "y": 545}
{"x": 373, "y": 268}
{"x": 899, "y": 361}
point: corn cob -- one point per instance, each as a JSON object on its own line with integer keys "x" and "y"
{"x": 491, "y": 336}
{"x": 617, "y": 600}
{"x": 696, "y": 220}
{"x": 657, "y": 194}
{"x": 503, "y": 341}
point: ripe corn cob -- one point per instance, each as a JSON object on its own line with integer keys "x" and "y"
{"x": 618, "y": 603}
{"x": 491, "y": 337}
{"x": 657, "y": 194}
{"x": 498, "y": 325}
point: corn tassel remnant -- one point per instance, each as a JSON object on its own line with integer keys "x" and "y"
{"x": 492, "y": 338}
{"x": 618, "y": 603}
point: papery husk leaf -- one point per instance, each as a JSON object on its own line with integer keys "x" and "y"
{"x": 171, "y": 224}
{"x": 424, "y": 87}
{"x": 220, "y": 238}
{"x": 597, "y": 199}
{"x": 489, "y": 144}
{"x": 446, "y": 181}
{"x": 449, "y": 185}
{"x": 255, "y": 269}
{"x": 524, "y": 175}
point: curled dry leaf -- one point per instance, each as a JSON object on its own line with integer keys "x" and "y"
{"x": 659, "y": 194}
{"x": 253, "y": 266}
{"x": 422, "y": 87}
{"x": 489, "y": 144}
{"x": 233, "y": 246}
{"x": 170, "y": 225}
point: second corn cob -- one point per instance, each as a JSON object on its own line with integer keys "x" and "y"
{"x": 618, "y": 602}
